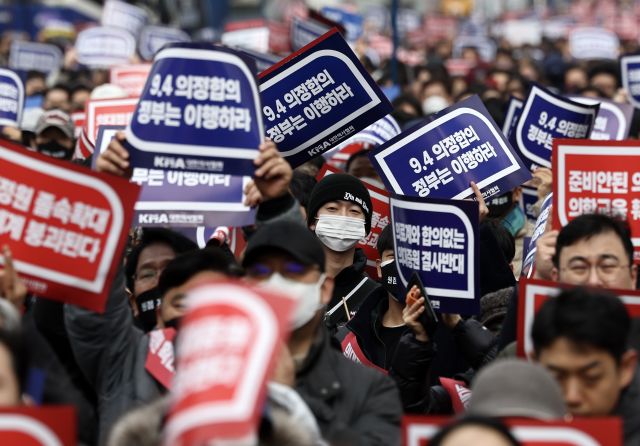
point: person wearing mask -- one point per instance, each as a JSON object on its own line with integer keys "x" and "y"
{"x": 339, "y": 213}
{"x": 352, "y": 404}
{"x": 581, "y": 337}
{"x": 54, "y": 135}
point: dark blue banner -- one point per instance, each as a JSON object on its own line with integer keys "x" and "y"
{"x": 439, "y": 157}
{"x": 438, "y": 239}
{"x": 353, "y": 23}
{"x": 514, "y": 108}
{"x": 11, "y": 98}
{"x": 527, "y": 202}
{"x": 199, "y": 111}
{"x": 613, "y": 120}
{"x": 541, "y": 223}
{"x": 316, "y": 99}
{"x": 630, "y": 71}
{"x": 26, "y": 56}
{"x": 152, "y": 38}
{"x": 546, "y": 116}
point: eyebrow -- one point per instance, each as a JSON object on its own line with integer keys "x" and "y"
{"x": 582, "y": 369}
{"x": 600, "y": 258}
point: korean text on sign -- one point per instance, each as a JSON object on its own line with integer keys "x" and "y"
{"x": 439, "y": 158}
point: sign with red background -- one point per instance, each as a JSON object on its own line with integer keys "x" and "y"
{"x": 130, "y": 77}
{"x": 38, "y": 426}
{"x": 108, "y": 112}
{"x": 65, "y": 225}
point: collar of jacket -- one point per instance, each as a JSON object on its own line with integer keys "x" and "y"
{"x": 353, "y": 272}
{"x": 318, "y": 367}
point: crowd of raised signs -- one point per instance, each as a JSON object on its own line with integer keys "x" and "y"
{"x": 213, "y": 244}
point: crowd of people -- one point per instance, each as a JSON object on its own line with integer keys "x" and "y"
{"x": 344, "y": 377}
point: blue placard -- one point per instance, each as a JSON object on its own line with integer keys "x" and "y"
{"x": 439, "y": 157}
{"x": 26, "y": 56}
{"x": 514, "y": 108}
{"x": 120, "y": 14}
{"x": 630, "y": 71}
{"x": 613, "y": 120}
{"x": 199, "y": 111}
{"x": 263, "y": 61}
{"x": 305, "y": 31}
{"x": 184, "y": 199}
{"x": 438, "y": 239}
{"x": 11, "y": 98}
{"x": 314, "y": 100}
{"x": 102, "y": 47}
{"x": 528, "y": 199}
{"x": 353, "y": 23}
{"x": 546, "y": 116}
{"x": 541, "y": 223}
{"x": 152, "y": 38}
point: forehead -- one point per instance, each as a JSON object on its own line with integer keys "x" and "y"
{"x": 607, "y": 243}
{"x": 155, "y": 251}
{"x": 341, "y": 203}
{"x": 565, "y": 353}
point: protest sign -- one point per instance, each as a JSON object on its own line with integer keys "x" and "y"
{"x": 418, "y": 430}
{"x": 374, "y": 135}
{"x": 546, "y": 116}
{"x": 120, "y": 14}
{"x": 199, "y": 111}
{"x": 263, "y": 61}
{"x": 304, "y": 31}
{"x": 152, "y": 38}
{"x": 78, "y": 119}
{"x": 597, "y": 177}
{"x": 612, "y": 121}
{"x": 11, "y": 98}
{"x": 379, "y": 219}
{"x": 534, "y": 293}
{"x": 438, "y": 239}
{"x": 103, "y": 47}
{"x": 110, "y": 112}
{"x": 251, "y": 34}
{"x": 541, "y": 222}
{"x": 184, "y": 199}
{"x": 593, "y": 43}
{"x": 317, "y": 98}
{"x": 528, "y": 199}
{"x": 511, "y": 119}
{"x": 352, "y": 22}
{"x": 27, "y": 56}
{"x": 130, "y": 77}
{"x": 235, "y": 330}
{"x": 66, "y": 226}
{"x": 630, "y": 71}
{"x": 439, "y": 157}
{"x": 38, "y": 426}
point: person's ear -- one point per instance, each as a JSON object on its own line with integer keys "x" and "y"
{"x": 326, "y": 291}
{"x": 378, "y": 269}
{"x": 634, "y": 274}
{"x": 628, "y": 364}
{"x": 555, "y": 276}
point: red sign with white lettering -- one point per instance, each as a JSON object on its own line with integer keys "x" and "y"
{"x": 379, "y": 219}
{"x": 534, "y": 293}
{"x": 108, "y": 112}
{"x": 66, "y": 225}
{"x": 226, "y": 350}
{"x": 597, "y": 177}
{"x": 130, "y": 77}
{"x": 38, "y": 426}
{"x": 417, "y": 431}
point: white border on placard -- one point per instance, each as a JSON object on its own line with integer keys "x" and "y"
{"x": 101, "y": 187}
{"x": 604, "y": 150}
{"x": 375, "y": 100}
{"x": 196, "y": 150}
{"x": 34, "y": 47}
{"x": 514, "y": 104}
{"x": 380, "y": 157}
{"x": 92, "y": 109}
{"x": 624, "y": 62}
{"x": 604, "y": 104}
{"x": 469, "y": 293}
{"x": 13, "y": 76}
{"x": 99, "y": 33}
{"x": 537, "y": 91}
{"x": 29, "y": 426}
{"x": 241, "y": 406}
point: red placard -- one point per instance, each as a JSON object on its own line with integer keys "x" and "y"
{"x": 66, "y": 225}
{"x": 380, "y": 219}
{"x": 605, "y": 431}
{"x": 130, "y": 77}
{"x": 78, "y": 119}
{"x": 108, "y": 112}
{"x": 226, "y": 349}
{"x": 533, "y": 293}
{"x": 597, "y": 177}
{"x": 38, "y": 426}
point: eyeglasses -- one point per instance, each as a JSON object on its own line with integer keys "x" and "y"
{"x": 606, "y": 270}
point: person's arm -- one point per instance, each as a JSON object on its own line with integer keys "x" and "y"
{"x": 473, "y": 340}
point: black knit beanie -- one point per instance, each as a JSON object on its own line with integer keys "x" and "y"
{"x": 340, "y": 186}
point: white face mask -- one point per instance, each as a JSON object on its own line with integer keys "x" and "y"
{"x": 306, "y": 295}
{"x": 339, "y": 233}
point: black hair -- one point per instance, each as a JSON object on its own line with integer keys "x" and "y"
{"x": 14, "y": 342}
{"x": 604, "y": 67}
{"x": 506, "y": 240}
{"x": 34, "y": 74}
{"x": 587, "y": 317}
{"x": 410, "y": 100}
{"x": 385, "y": 241}
{"x": 59, "y": 87}
{"x": 588, "y": 225}
{"x": 364, "y": 153}
{"x": 472, "y": 420}
{"x": 152, "y": 236}
{"x": 186, "y": 265}
{"x": 301, "y": 187}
